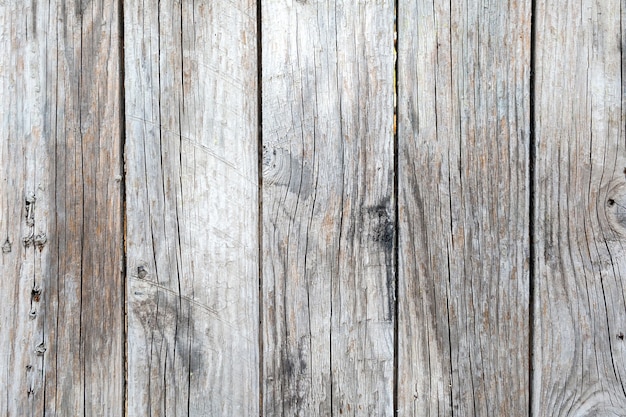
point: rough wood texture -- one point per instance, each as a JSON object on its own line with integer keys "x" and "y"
{"x": 331, "y": 258}
{"x": 61, "y": 318}
{"x": 580, "y": 216}
{"x": 463, "y": 132}
{"x": 328, "y": 208}
{"x": 192, "y": 208}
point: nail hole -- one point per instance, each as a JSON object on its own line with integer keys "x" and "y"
{"x": 610, "y": 202}
{"x": 40, "y": 349}
{"x": 40, "y": 241}
{"x": 620, "y": 336}
{"x": 36, "y": 294}
{"x": 142, "y": 272}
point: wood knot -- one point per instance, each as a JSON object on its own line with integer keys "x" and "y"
{"x": 142, "y": 272}
{"x": 615, "y": 207}
{"x": 35, "y": 294}
{"x": 40, "y": 241}
{"x": 6, "y": 246}
{"x": 281, "y": 168}
{"x": 40, "y": 349}
{"x": 28, "y": 240}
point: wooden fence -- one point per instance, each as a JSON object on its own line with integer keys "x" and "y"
{"x": 312, "y": 208}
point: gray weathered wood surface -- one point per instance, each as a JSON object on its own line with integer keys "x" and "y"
{"x": 580, "y": 217}
{"x": 61, "y": 283}
{"x": 328, "y": 208}
{"x": 463, "y": 149}
{"x": 191, "y": 200}
{"x": 207, "y": 209}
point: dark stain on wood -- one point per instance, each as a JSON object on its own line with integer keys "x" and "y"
{"x": 384, "y": 229}
{"x": 33, "y": 16}
{"x": 384, "y": 233}
{"x": 80, "y": 6}
{"x": 161, "y": 314}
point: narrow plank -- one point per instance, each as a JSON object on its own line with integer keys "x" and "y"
{"x": 61, "y": 322}
{"x": 463, "y": 133}
{"x": 328, "y": 207}
{"x": 192, "y": 208}
{"x": 580, "y": 216}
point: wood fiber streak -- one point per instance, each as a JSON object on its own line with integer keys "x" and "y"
{"x": 192, "y": 208}
{"x": 580, "y": 216}
{"x": 328, "y": 208}
{"x": 463, "y": 140}
{"x": 61, "y": 317}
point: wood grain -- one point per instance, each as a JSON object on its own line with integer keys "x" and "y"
{"x": 328, "y": 207}
{"x": 580, "y": 216}
{"x": 192, "y": 208}
{"x": 61, "y": 320}
{"x": 463, "y": 139}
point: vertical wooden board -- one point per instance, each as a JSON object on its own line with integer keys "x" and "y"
{"x": 580, "y": 212}
{"x": 463, "y": 140}
{"x": 23, "y": 152}
{"x": 328, "y": 207}
{"x": 61, "y": 328}
{"x": 192, "y": 207}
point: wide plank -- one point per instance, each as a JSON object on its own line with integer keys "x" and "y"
{"x": 579, "y": 360}
{"x": 192, "y": 208}
{"x": 61, "y": 263}
{"x": 328, "y": 207}
{"x": 463, "y": 150}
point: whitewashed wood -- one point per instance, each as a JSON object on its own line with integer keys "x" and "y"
{"x": 192, "y": 208}
{"x": 463, "y": 133}
{"x": 61, "y": 319}
{"x": 328, "y": 207}
{"x": 580, "y": 217}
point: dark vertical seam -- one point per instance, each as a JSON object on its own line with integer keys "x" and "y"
{"x": 178, "y": 247}
{"x": 180, "y": 156}
{"x": 179, "y": 252}
{"x": 396, "y": 245}
{"x": 449, "y": 284}
{"x": 124, "y": 277}
{"x": 56, "y": 221}
{"x": 531, "y": 209}
{"x": 259, "y": 51}
{"x": 181, "y": 112}
{"x": 81, "y": 347}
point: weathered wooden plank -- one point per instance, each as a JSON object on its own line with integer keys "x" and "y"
{"x": 61, "y": 319}
{"x": 580, "y": 214}
{"x": 192, "y": 207}
{"x": 328, "y": 207}
{"x": 463, "y": 132}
